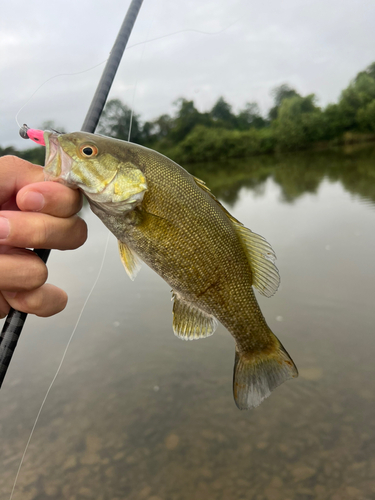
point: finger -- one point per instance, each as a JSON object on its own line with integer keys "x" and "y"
{"x": 4, "y": 307}
{"x": 21, "y": 270}
{"x": 50, "y": 198}
{"x": 15, "y": 174}
{"x": 36, "y": 230}
{"x": 44, "y": 301}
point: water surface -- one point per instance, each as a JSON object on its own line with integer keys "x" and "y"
{"x": 138, "y": 414}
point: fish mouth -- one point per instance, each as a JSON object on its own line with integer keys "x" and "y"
{"x": 52, "y": 148}
{"x": 57, "y": 163}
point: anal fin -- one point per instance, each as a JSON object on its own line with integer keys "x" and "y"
{"x": 130, "y": 259}
{"x": 190, "y": 322}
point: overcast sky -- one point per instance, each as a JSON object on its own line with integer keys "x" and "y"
{"x": 316, "y": 46}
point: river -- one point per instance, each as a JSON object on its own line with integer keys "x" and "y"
{"x": 138, "y": 414}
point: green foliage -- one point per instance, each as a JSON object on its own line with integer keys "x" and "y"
{"x": 294, "y": 122}
{"x": 208, "y": 144}
{"x": 221, "y": 113}
{"x": 250, "y": 117}
{"x": 299, "y": 123}
{"x": 279, "y": 94}
{"x": 333, "y": 122}
{"x": 186, "y": 119}
{"x": 366, "y": 117}
{"x": 356, "y": 98}
{"x": 34, "y": 155}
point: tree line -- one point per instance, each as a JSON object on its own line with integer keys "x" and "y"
{"x": 294, "y": 122}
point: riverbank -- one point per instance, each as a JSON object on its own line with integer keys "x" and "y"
{"x": 211, "y": 144}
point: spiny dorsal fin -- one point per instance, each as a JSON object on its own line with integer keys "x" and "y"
{"x": 203, "y": 186}
{"x": 189, "y": 322}
{"x": 261, "y": 256}
{"x": 130, "y": 259}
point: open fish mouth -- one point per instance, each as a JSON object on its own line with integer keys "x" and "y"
{"x": 52, "y": 147}
{"x": 57, "y": 163}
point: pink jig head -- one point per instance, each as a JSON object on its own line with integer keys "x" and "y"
{"x": 36, "y": 136}
{"x": 33, "y": 134}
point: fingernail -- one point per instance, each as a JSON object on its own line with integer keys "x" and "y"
{"x": 34, "y": 201}
{"x": 9, "y": 295}
{"x": 4, "y": 228}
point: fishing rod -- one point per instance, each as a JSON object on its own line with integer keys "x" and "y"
{"x": 15, "y": 320}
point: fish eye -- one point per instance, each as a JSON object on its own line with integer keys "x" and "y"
{"x": 88, "y": 150}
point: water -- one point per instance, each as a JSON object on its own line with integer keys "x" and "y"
{"x": 138, "y": 414}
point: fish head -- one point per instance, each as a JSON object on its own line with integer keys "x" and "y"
{"x": 99, "y": 166}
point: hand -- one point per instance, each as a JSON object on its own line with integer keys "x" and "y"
{"x": 33, "y": 214}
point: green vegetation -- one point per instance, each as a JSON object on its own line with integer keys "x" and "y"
{"x": 294, "y": 122}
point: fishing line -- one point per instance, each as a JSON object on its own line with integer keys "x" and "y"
{"x": 51, "y": 78}
{"x": 159, "y": 38}
{"x": 90, "y": 292}
{"x": 107, "y": 240}
{"x": 144, "y": 42}
{"x": 136, "y": 81}
{"x": 60, "y": 365}
{"x": 187, "y": 30}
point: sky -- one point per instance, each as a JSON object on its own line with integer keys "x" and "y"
{"x": 197, "y": 49}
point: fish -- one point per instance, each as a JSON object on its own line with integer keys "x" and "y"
{"x": 169, "y": 219}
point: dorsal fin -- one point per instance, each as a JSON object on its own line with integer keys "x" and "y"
{"x": 261, "y": 257}
{"x": 203, "y": 186}
{"x": 130, "y": 259}
{"x": 260, "y": 254}
{"x": 190, "y": 322}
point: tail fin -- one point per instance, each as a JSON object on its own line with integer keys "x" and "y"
{"x": 257, "y": 375}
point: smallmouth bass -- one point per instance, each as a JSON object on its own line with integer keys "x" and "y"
{"x": 169, "y": 219}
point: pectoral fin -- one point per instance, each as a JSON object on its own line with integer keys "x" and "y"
{"x": 261, "y": 257}
{"x": 190, "y": 322}
{"x": 130, "y": 259}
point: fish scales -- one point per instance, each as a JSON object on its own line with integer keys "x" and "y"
{"x": 219, "y": 284}
{"x": 167, "y": 218}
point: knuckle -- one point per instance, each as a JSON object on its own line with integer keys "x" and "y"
{"x": 31, "y": 302}
{"x": 34, "y": 301}
{"x": 41, "y": 233}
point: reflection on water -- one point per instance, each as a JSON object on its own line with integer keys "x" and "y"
{"x": 138, "y": 414}
{"x": 296, "y": 174}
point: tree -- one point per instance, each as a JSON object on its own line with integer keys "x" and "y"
{"x": 250, "y": 117}
{"x": 222, "y": 114}
{"x": 115, "y": 122}
{"x": 299, "y": 122}
{"x": 366, "y": 117}
{"x": 279, "y": 94}
{"x": 187, "y": 117}
{"x": 163, "y": 125}
{"x": 357, "y": 96}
